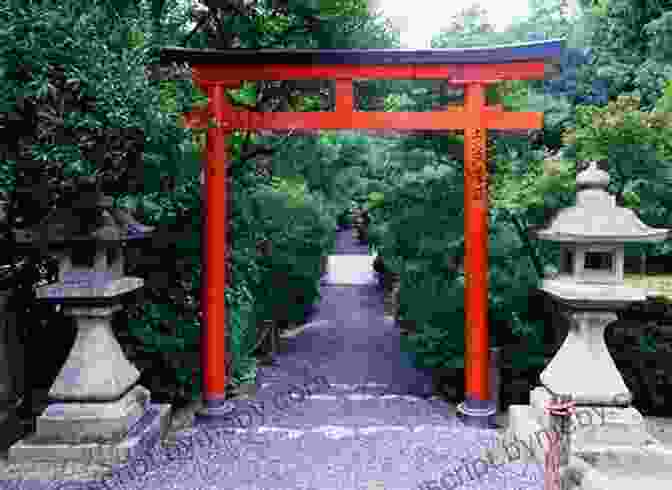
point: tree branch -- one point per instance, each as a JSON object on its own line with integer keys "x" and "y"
{"x": 619, "y": 193}
{"x": 281, "y": 92}
{"x": 527, "y": 243}
{"x": 283, "y": 37}
{"x": 265, "y": 149}
{"x": 358, "y": 27}
{"x": 259, "y": 150}
{"x": 200, "y": 23}
{"x": 246, "y": 142}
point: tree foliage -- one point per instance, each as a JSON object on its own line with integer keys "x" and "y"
{"x": 627, "y": 46}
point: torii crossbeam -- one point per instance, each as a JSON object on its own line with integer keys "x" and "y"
{"x": 474, "y": 68}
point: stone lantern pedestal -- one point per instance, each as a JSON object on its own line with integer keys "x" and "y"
{"x": 97, "y": 411}
{"x": 583, "y": 369}
{"x": 604, "y": 428}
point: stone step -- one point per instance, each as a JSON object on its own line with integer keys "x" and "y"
{"x": 152, "y": 427}
{"x": 615, "y": 468}
{"x": 301, "y": 411}
{"x": 330, "y": 457}
{"x": 342, "y": 389}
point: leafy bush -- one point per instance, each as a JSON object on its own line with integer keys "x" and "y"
{"x": 77, "y": 82}
{"x": 291, "y": 219}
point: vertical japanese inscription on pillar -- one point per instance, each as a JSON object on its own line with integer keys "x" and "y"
{"x": 476, "y": 168}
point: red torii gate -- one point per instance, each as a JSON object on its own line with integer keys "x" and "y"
{"x": 474, "y": 68}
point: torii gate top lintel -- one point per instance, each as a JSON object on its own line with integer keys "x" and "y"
{"x": 285, "y": 64}
{"x": 474, "y": 68}
{"x": 468, "y": 67}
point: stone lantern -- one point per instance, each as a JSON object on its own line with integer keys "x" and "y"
{"x": 97, "y": 411}
{"x": 590, "y": 290}
{"x": 592, "y": 237}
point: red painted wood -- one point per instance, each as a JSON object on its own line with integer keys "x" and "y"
{"x": 476, "y": 249}
{"x": 213, "y": 343}
{"x": 197, "y": 118}
{"x": 455, "y": 119}
{"x": 496, "y": 119}
{"x": 345, "y": 101}
{"x": 205, "y": 85}
{"x": 520, "y": 70}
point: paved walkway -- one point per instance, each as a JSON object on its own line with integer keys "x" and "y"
{"x": 364, "y": 419}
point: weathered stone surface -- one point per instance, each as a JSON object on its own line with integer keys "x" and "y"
{"x": 622, "y": 469}
{"x": 585, "y": 351}
{"x": 142, "y": 437}
{"x": 606, "y": 467}
{"x": 91, "y": 287}
{"x": 96, "y": 368}
{"x": 597, "y": 426}
{"x": 87, "y": 422}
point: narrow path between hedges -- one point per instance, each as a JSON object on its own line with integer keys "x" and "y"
{"x": 342, "y": 408}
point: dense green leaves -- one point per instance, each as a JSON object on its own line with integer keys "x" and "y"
{"x": 635, "y": 144}
{"x": 628, "y": 45}
{"x": 290, "y": 219}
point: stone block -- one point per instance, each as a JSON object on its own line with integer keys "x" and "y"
{"x": 93, "y": 287}
{"x": 523, "y": 425}
{"x": 621, "y": 469}
{"x": 96, "y": 368}
{"x": 615, "y": 451}
{"x": 143, "y": 436}
{"x": 623, "y": 427}
{"x": 88, "y": 422}
{"x": 596, "y": 426}
{"x": 539, "y": 397}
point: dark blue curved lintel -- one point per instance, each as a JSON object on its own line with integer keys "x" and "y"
{"x": 532, "y": 51}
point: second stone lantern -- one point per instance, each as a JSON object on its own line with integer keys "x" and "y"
{"x": 97, "y": 411}
{"x": 590, "y": 290}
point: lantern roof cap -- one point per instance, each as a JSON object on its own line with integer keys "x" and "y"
{"x": 62, "y": 225}
{"x": 596, "y": 218}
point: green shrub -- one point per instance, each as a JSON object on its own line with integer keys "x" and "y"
{"x": 291, "y": 219}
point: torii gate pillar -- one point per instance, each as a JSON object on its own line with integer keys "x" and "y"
{"x": 477, "y": 408}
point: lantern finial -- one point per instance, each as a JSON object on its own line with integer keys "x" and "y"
{"x": 593, "y": 177}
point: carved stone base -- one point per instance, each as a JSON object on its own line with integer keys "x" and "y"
{"x": 96, "y": 368}
{"x": 611, "y": 451}
{"x": 142, "y": 437}
{"x": 89, "y": 422}
{"x": 595, "y": 427}
{"x": 583, "y": 366}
